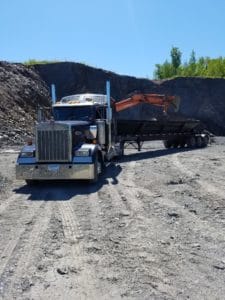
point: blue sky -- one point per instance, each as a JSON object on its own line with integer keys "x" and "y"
{"x": 124, "y": 36}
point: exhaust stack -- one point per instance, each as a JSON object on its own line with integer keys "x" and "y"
{"x": 53, "y": 93}
{"x": 109, "y": 113}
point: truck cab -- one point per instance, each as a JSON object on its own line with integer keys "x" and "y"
{"x": 71, "y": 145}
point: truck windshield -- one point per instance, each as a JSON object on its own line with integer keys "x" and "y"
{"x": 64, "y": 113}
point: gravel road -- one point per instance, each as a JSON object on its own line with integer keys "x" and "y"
{"x": 153, "y": 227}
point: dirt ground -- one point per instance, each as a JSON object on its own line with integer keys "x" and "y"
{"x": 153, "y": 227}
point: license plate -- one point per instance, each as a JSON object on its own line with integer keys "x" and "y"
{"x": 53, "y": 168}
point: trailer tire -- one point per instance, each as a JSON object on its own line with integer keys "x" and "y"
{"x": 167, "y": 144}
{"x": 205, "y": 141}
{"x": 198, "y": 141}
{"x": 191, "y": 142}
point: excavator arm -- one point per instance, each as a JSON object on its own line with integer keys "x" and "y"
{"x": 163, "y": 101}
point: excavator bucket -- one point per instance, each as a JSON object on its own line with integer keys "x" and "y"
{"x": 176, "y": 103}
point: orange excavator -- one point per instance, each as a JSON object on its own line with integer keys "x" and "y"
{"x": 163, "y": 101}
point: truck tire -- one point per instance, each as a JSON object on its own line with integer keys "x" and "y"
{"x": 98, "y": 168}
{"x": 121, "y": 149}
{"x": 95, "y": 179}
{"x": 182, "y": 144}
{"x": 175, "y": 144}
{"x": 191, "y": 142}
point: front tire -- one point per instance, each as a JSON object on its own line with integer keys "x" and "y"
{"x": 95, "y": 178}
{"x": 98, "y": 168}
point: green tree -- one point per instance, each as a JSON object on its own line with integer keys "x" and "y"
{"x": 175, "y": 54}
{"x": 203, "y": 67}
{"x": 192, "y": 59}
{"x": 165, "y": 70}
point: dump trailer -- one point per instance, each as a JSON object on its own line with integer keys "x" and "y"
{"x": 174, "y": 130}
{"x": 85, "y": 132}
{"x": 174, "y": 133}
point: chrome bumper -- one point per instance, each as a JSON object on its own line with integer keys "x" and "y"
{"x": 55, "y": 171}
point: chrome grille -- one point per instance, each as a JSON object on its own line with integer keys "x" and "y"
{"x": 53, "y": 145}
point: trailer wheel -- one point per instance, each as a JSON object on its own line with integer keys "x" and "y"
{"x": 167, "y": 144}
{"x": 182, "y": 144}
{"x": 198, "y": 142}
{"x": 205, "y": 140}
{"x": 191, "y": 143}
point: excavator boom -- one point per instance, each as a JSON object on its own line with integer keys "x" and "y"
{"x": 163, "y": 101}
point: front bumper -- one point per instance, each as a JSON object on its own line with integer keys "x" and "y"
{"x": 54, "y": 171}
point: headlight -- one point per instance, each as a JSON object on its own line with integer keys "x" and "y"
{"x": 27, "y": 154}
{"x": 82, "y": 152}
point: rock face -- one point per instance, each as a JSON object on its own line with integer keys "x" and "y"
{"x": 21, "y": 91}
{"x": 201, "y": 98}
{"x": 23, "y": 88}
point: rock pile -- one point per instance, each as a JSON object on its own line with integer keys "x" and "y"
{"x": 21, "y": 91}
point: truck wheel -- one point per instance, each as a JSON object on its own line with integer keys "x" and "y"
{"x": 121, "y": 149}
{"x": 98, "y": 168}
{"x": 167, "y": 144}
{"x": 101, "y": 165}
{"x": 95, "y": 179}
{"x": 191, "y": 143}
{"x": 198, "y": 141}
{"x": 175, "y": 144}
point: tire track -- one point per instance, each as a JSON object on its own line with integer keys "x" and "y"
{"x": 128, "y": 222}
{"x": 86, "y": 281}
{"x": 32, "y": 245}
{"x": 95, "y": 216}
{"x": 103, "y": 217}
{"x": 129, "y": 176}
{"x": 9, "y": 201}
{"x": 11, "y": 245}
{"x": 14, "y": 248}
{"x": 205, "y": 185}
{"x": 131, "y": 196}
{"x": 137, "y": 206}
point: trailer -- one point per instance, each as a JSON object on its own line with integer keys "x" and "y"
{"x": 174, "y": 133}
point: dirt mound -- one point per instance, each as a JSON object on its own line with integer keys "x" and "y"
{"x": 21, "y": 91}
